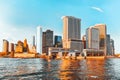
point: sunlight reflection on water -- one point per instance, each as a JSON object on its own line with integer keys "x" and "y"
{"x": 40, "y": 69}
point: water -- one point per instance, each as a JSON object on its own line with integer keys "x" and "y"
{"x": 40, "y": 69}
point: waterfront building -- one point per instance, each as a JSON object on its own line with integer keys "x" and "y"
{"x": 11, "y": 47}
{"x": 71, "y": 32}
{"x": 92, "y": 38}
{"x": 112, "y": 46}
{"x": 84, "y": 41}
{"x": 39, "y": 40}
{"x": 33, "y": 44}
{"x": 102, "y": 35}
{"x": 47, "y": 40}
{"x": 5, "y": 46}
{"x": 19, "y": 47}
{"x": 58, "y": 41}
{"x": 25, "y": 46}
{"x": 109, "y": 50}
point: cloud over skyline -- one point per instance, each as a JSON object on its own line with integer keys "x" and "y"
{"x": 97, "y": 9}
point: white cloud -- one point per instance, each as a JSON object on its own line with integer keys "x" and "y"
{"x": 97, "y": 9}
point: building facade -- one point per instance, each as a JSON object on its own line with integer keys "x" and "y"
{"x": 5, "y": 46}
{"x": 92, "y": 38}
{"x": 39, "y": 40}
{"x": 58, "y": 41}
{"x": 109, "y": 50}
{"x": 103, "y": 30}
{"x": 47, "y": 40}
{"x": 71, "y": 31}
{"x": 112, "y": 46}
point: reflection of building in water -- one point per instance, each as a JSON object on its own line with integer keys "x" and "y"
{"x": 95, "y": 69}
{"x": 69, "y": 70}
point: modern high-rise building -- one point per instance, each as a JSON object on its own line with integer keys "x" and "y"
{"x": 103, "y": 30}
{"x": 58, "y": 41}
{"x": 5, "y": 46}
{"x": 92, "y": 38}
{"x": 33, "y": 41}
{"x": 109, "y": 50}
{"x": 39, "y": 40}
{"x": 71, "y": 32}
{"x": 112, "y": 46}
{"x": 47, "y": 40}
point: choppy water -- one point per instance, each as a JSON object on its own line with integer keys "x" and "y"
{"x": 40, "y": 69}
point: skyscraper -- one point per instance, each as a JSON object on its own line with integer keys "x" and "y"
{"x": 47, "y": 40}
{"x": 92, "y": 38}
{"x": 5, "y": 46}
{"x": 39, "y": 40}
{"x": 71, "y": 33}
{"x": 103, "y": 31}
{"x": 112, "y": 46}
{"x": 109, "y": 50}
{"x": 33, "y": 41}
{"x": 58, "y": 41}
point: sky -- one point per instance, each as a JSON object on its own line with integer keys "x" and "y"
{"x": 19, "y": 18}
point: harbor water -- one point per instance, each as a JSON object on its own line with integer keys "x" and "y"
{"x": 41, "y": 69}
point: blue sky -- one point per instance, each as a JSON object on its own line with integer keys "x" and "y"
{"x": 19, "y": 18}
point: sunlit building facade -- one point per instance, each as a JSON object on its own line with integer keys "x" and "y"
{"x": 71, "y": 32}
{"x": 5, "y": 46}
{"x": 103, "y": 30}
{"x": 11, "y": 47}
{"x": 92, "y": 38}
{"x": 19, "y": 47}
{"x": 39, "y": 40}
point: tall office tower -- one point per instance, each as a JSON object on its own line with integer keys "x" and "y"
{"x": 33, "y": 41}
{"x": 109, "y": 51}
{"x": 112, "y": 46}
{"x": 11, "y": 47}
{"x": 103, "y": 31}
{"x": 58, "y": 41}
{"x": 92, "y": 38}
{"x": 5, "y": 46}
{"x": 47, "y": 40}
{"x": 39, "y": 40}
{"x": 84, "y": 41}
{"x": 71, "y": 32}
{"x": 25, "y": 46}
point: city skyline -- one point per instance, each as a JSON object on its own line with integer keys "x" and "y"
{"x": 19, "y": 18}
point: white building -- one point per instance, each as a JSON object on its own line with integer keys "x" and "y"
{"x": 39, "y": 40}
{"x": 92, "y": 38}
